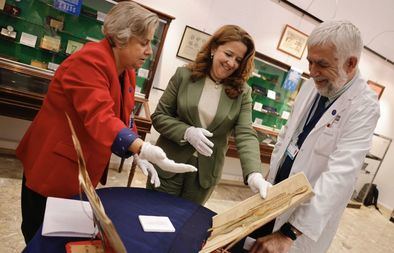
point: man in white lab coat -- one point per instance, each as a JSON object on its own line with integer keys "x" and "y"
{"x": 327, "y": 137}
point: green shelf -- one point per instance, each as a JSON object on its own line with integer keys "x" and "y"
{"x": 269, "y": 77}
{"x": 32, "y": 20}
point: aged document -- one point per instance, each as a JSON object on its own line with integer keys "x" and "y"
{"x": 231, "y": 226}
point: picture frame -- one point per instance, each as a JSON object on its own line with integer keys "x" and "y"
{"x": 191, "y": 43}
{"x": 378, "y": 88}
{"x": 292, "y": 42}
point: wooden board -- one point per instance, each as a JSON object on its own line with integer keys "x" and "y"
{"x": 106, "y": 228}
{"x": 231, "y": 226}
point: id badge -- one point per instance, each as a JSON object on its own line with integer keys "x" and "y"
{"x": 292, "y": 150}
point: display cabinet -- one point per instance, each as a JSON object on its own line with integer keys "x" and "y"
{"x": 274, "y": 88}
{"x": 23, "y": 88}
{"x": 35, "y": 33}
{"x": 371, "y": 166}
{"x": 35, "y": 37}
{"x": 43, "y": 36}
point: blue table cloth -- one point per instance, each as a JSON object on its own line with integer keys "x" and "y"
{"x": 123, "y": 205}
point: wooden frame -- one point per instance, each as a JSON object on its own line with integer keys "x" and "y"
{"x": 376, "y": 87}
{"x": 191, "y": 43}
{"x": 292, "y": 42}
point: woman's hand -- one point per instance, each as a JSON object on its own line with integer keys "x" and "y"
{"x": 148, "y": 170}
{"x": 197, "y": 137}
{"x": 156, "y": 155}
{"x": 257, "y": 183}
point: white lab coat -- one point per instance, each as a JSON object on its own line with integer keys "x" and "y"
{"x": 331, "y": 157}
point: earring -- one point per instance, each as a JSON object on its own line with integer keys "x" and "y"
{"x": 211, "y": 56}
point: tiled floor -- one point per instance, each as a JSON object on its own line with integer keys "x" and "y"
{"x": 361, "y": 230}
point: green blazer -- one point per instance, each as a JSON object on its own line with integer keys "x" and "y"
{"x": 178, "y": 109}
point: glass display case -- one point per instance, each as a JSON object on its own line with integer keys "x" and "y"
{"x": 372, "y": 162}
{"x": 35, "y": 37}
{"x": 275, "y": 86}
{"x": 274, "y": 89}
{"x": 43, "y": 34}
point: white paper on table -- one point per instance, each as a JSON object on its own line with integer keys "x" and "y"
{"x": 257, "y": 106}
{"x": 156, "y": 223}
{"x": 271, "y": 94}
{"x": 285, "y": 115}
{"x": 68, "y": 218}
{"x": 28, "y": 39}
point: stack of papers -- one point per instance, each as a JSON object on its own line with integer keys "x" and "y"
{"x": 68, "y": 218}
{"x": 156, "y": 223}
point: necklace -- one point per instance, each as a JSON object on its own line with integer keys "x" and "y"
{"x": 217, "y": 83}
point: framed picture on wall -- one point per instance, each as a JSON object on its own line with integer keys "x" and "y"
{"x": 191, "y": 43}
{"x": 376, "y": 87}
{"x": 292, "y": 42}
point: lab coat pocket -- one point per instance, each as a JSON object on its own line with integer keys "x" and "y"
{"x": 326, "y": 143}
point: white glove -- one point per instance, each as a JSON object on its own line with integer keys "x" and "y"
{"x": 257, "y": 183}
{"x": 171, "y": 166}
{"x": 148, "y": 170}
{"x": 196, "y": 137}
{"x": 157, "y": 156}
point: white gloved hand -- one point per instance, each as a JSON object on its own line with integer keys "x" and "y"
{"x": 197, "y": 138}
{"x": 257, "y": 183}
{"x": 171, "y": 166}
{"x": 157, "y": 156}
{"x": 148, "y": 170}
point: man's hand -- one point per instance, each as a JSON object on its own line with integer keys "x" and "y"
{"x": 197, "y": 137}
{"x": 273, "y": 243}
{"x": 148, "y": 170}
{"x": 157, "y": 156}
{"x": 257, "y": 183}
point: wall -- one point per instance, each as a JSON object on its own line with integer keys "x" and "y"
{"x": 264, "y": 20}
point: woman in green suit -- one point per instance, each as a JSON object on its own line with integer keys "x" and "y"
{"x": 202, "y": 105}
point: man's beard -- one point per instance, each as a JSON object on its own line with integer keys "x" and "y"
{"x": 331, "y": 88}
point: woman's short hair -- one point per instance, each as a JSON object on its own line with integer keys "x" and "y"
{"x": 126, "y": 20}
{"x": 345, "y": 36}
{"x": 202, "y": 65}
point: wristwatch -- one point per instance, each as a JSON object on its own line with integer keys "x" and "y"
{"x": 288, "y": 230}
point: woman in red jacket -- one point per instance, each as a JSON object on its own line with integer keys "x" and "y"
{"x": 95, "y": 87}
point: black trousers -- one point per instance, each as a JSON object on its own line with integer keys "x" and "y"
{"x": 260, "y": 232}
{"x": 33, "y": 209}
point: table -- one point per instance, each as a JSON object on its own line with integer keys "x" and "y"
{"x": 123, "y": 205}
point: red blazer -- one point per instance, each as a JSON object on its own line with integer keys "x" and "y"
{"x": 86, "y": 87}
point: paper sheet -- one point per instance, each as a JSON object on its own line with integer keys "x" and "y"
{"x": 68, "y": 218}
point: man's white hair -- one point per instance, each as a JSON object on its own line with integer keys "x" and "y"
{"x": 345, "y": 36}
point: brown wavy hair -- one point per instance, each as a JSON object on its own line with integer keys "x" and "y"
{"x": 202, "y": 65}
